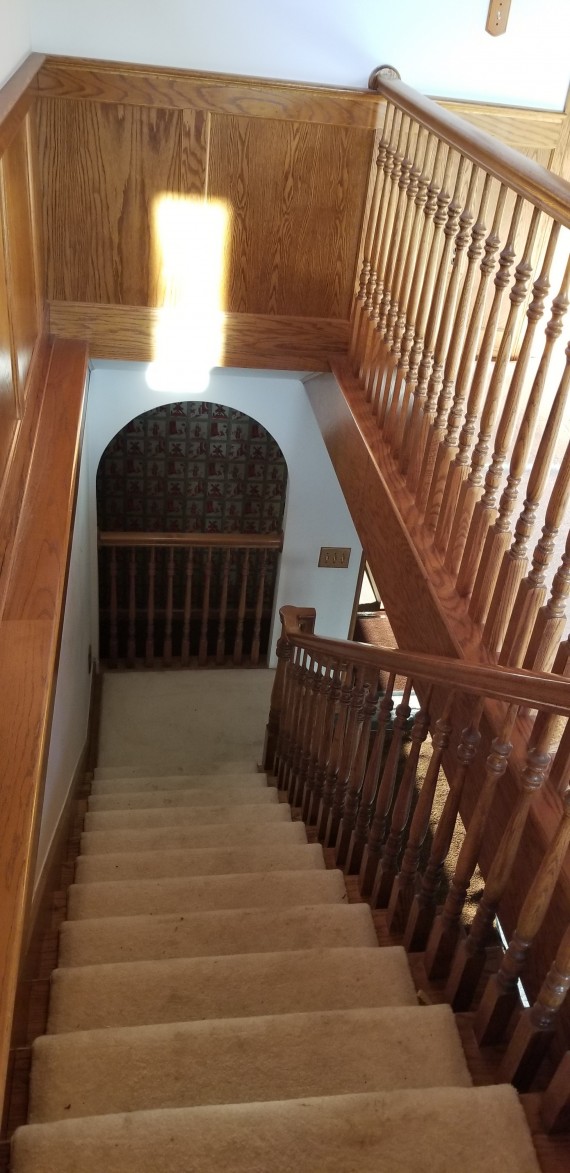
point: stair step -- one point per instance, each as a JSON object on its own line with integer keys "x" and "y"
{"x": 145, "y": 992}
{"x": 279, "y": 890}
{"x": 178, "y": 1065}
{"x": 177, "y": 782}
{"x": 199, "y": 861}
{"x": 142, "y": 771}
{"x": 201, "y": 934}
{"x": 170, "y": 838}
{"x": 196, "y": 796}
{"x": 214, "y": 815}
{"x": 437, "y": 1130}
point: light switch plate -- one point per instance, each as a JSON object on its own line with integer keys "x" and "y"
{"x": 497, "y": 17}
{"x": 334, "y": 557}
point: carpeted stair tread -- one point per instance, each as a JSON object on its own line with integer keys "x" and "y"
{"x": 202, "y": 934}
{"x": 214, "y": 815}
{"x": 243, "y": 1060}
{"x": 172, "y": 838}
{"x": 199, "y": 861}
{"x": 176, "y": 782}
{"x": 236, "y": 986}
{"x": 195, "y": 796}
{"x": 205, "y": 893}
{"x": 142, "y": 771}
{"x": 434, "y": 1130}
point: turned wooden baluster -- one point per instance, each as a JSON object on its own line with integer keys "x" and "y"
{"x": 113, "y": 609}
{"x": 286, "y": 658}
{"x": 358, "y": 769}
{"x": 559, "y": 776}
{"x": 185, "y": 645}
{"x": 167, "y": 647}
{"x": 445, "y": 932}
{"x": 442, "y": 439}
{"x": 302, "y": 731}
{"x": 203, "y": 646}
{"x": 371, "y": 302}
{"x": 456, "y": 238}
{"x": 373, "y": 850}
{"x": 337, "y": 713}
{"x": 535, "y": 1028}
{"x": 421, "y": 354}
{"x": 370, "y": 787}
{"x": 392, "y": 166}
{"x": 521, "y": 645}
{"x": 470, "y": 955}
{"x": 470, "y": 489}
{"x": 504, "y": 569}
{"x": 312, "y": 787}
{"x": 354, "y": 722}
{"x": 221, "y": 641}
{"x": 550, "y": 623}
{"x": 388, "y": 868}
{"x": 418, "y": 306}
{"x": 373, "y": 228}
{"x": 305, "y": 619}
{"x": 262, "y": 569}
{"x": 500, "y": 997}
{"x": 324, "y": 730}
{"x": 286, "y": 780}
{"x": 395, "y": 318}
{"x": 423, "y": 908}
{"x": 238, "y": 645}
{"x": 132, "y": 632}
{"x": 404, "y": 885}
{"x": 484, "y": 509}
{"x": 149, "y": 647}
{"x": 471, "y": 375}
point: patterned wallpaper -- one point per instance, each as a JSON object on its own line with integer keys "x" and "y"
{"x": 192, "y": 467}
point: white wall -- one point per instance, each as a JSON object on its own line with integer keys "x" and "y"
{"x": 15, "y": 36}
{"x": 316, "y": 513}
{"x": 440, "y": 47}
{"x": 73, "y": 689}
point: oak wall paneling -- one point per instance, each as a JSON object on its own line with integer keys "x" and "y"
{"x": 8, "y": 399}
{"x": 22, "y": 279}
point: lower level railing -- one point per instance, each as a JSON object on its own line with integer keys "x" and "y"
{"x": 365, "y": 765}
{"x": 181, "y": 599}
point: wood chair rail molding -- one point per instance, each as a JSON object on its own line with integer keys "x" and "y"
{"x": 273, "y": 541}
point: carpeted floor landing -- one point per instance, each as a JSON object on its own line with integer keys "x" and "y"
{"x": 219, "y": 1006}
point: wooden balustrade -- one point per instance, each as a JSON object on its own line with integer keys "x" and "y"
{"x": 373, "y": 786}
{"x": 463, "y": 239}
{"x": 186, "y": 598}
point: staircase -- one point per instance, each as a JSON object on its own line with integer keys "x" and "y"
{"x": 219, "y": 1005}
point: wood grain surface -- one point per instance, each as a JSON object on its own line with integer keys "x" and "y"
{"x": 23, "y": 290}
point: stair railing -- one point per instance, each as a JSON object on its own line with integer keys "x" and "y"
{"x": 186, "y": 598}
{"x": 380, "y": 778}
{"x": 464, "y": 237}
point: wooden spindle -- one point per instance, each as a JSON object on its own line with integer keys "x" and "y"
{"x": 370, "y": 788}
{"x": 329, "y": 689}
{"x": 357, "y": 770}
{"x": 470, "y": 378}
{"x": 388, "y": 867}
{"x": 221, "y": 641}
{"x": 185, "y": 644}
{"x": 305, "y": 618}
{"x": 255, "y": 643}
{"x": 373, "y": 851}
{"x": 500, "y": 997}
{"x": 286, "y": 779}
{"x": 284, "y": 725}
{"x": 372, "y": 228}
{"x": 445, "y": 932}
{"x": 470, "y": 955}
{"x": 442, "y": 439}
{"x": 339, "y": 697}
{"x": 313, "y": 777}
{"x": 132, "y": 630}
{"x": 471, "y": 488}
{"x": 550, "y": 623}
{"x": 203, "y": 645}
{"x": 353, "y": 727}
{"x": 113, "y": 609}
{"x": 392, "y": 166}
{"x": 149, "y": 646}
{"x": 167, "y": 646}
{"x": 404, "y": 886}
{"x": 423, "y": 910}
{"x": 535, "y": 1028}
{"x": 238, "y": 644}
{"x": 505, "y": 569}
{"x": 301, "y": 731}
{"x": 368, "y": 316}
{"x": 484, "y": 509}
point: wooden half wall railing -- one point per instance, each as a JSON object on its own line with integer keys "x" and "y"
{"x": 456, "y": 345}
{"x": 186, "y": 598}
{"x": 370, "y": 781}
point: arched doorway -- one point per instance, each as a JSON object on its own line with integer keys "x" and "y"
{"x": 190, "y": 505}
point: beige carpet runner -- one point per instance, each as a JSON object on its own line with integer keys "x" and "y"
{"x": 219, "y": 1006}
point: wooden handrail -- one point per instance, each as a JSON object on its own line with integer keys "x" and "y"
{"x": 272, "y": 541}
{"x": 519, "y": 686}
{"x": 545, "y": 190}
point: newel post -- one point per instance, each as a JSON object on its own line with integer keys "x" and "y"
{"x": 294, "y": 620}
